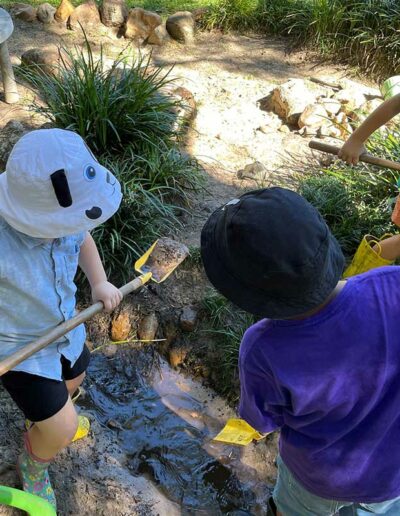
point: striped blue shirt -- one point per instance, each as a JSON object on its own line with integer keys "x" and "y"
{"x": 37, "y": 293}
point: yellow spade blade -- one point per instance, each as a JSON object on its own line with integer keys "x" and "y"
{"x": 237, "y": 431}
{"x": 162, "y": 259}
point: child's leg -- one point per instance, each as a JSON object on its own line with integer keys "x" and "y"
{"x": 74, "y": 375}
{"x": 291, "y": 498}
{"x": 74, "y": 384}
{"x": 50, "y": 436}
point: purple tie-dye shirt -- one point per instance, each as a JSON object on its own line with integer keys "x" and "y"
{"x": 331, "y": 383}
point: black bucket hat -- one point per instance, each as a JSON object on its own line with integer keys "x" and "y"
{"x": 271, "y": 253}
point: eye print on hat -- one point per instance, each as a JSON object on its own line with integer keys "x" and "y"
{"x": 90, "y": 174}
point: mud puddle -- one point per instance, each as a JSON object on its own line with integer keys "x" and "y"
{"x": 165, "y": 423}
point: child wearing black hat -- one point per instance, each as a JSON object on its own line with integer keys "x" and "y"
{"x": 323, "y": 363}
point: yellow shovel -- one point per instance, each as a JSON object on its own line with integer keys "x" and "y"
{"x": 238, "y": 431}
{"x": 156, "y": 264}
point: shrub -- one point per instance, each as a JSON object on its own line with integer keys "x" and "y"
{"x": 110, "y": 107}
{"x": 233, "y": 14}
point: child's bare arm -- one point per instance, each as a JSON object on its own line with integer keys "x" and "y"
{"x": 389, "y": 248}
{"x": 90, "y": 263}
{"x": 354, "y": 147}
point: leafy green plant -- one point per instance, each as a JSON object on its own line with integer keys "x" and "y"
{"x": 233, "y": 14}
{"x": 111, "y": 107}
{"x": 165, "y": 170}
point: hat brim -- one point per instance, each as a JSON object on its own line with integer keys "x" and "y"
{"x": 54, "y": 224}
{"x": 256, "y": 301}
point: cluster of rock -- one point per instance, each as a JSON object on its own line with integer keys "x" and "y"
{"x": 136, "y": 24}
{"x": 150, "y": 329}
{"x": 317, "y": 108}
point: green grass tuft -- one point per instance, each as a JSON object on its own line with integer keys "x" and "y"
{"x": 227, "y": 325}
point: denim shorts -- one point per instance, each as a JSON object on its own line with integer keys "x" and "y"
{"x": 292, "y": 499}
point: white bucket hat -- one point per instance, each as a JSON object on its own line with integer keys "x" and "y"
{"x": 54, "y": 186}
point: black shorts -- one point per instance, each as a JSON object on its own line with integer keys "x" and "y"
{"x": 40, "y": 398}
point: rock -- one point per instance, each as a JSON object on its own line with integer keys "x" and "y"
{"x": 140, "y": 24}
{"x": 284, "y": 129}
{"x": 64, "y": 11}
{"x": 308, "y": 131}
{"x": 347, "y": 84}
{"x": 370, "y": 106}
{"x": 188, "y": 319}
{"x": 24, "y": 12}
{"x": 46, "y": 61}
{"x": 114, "y": 425}
{"x": 159, "y": 36}
{"x": 121, "y": 327}
{"x": 332, "y": 106}
{"x": 360, "y": 114}
{"x": 342, "y": 123}
{"x": 9, "y": 136}
{"x": 272, "y": 122}
{"x": 351, "y": 99}
{"x": 177, "y": 355}
{"x": 86, "y": 15}
{"x": 338, "y": 128}
{"x": 290, "y": 99}
{"x": 113, "y": 13}
{"x": 45, "y": 13}
{"x": 148, "y": 327}
{"x": 186, "y": 108}
{"x": 330, "y": 131}
{"x": 314, "y": 115}
{"x": 181, "y": 26}
{"x": 254, "y": 170}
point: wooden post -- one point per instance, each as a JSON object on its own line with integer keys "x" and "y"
{"x": 9, "y": 84}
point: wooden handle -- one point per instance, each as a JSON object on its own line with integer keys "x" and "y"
{"x": 366, "y": 158}
{"x": 22, "y": 354}
{"x": 10, "y": 86}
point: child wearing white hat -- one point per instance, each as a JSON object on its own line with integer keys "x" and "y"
{"x": 52, "y": 194}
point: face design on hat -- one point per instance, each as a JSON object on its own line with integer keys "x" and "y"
{"x": 62, "y": 191}
{"x": 54, "y": 186}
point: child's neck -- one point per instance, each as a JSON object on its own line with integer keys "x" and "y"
{"x": 336, "y": 291}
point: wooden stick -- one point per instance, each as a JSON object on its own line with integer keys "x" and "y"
{"x": 22, "y": 354}
{"x": 366, "y": 158}
{"x": 10, "y": 86}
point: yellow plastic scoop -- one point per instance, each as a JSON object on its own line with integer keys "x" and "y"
{"x": 162, "y": 259}
{"x": 237, "y": 431}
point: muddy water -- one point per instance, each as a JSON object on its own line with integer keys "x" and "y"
{"x": 165, "y": 423}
